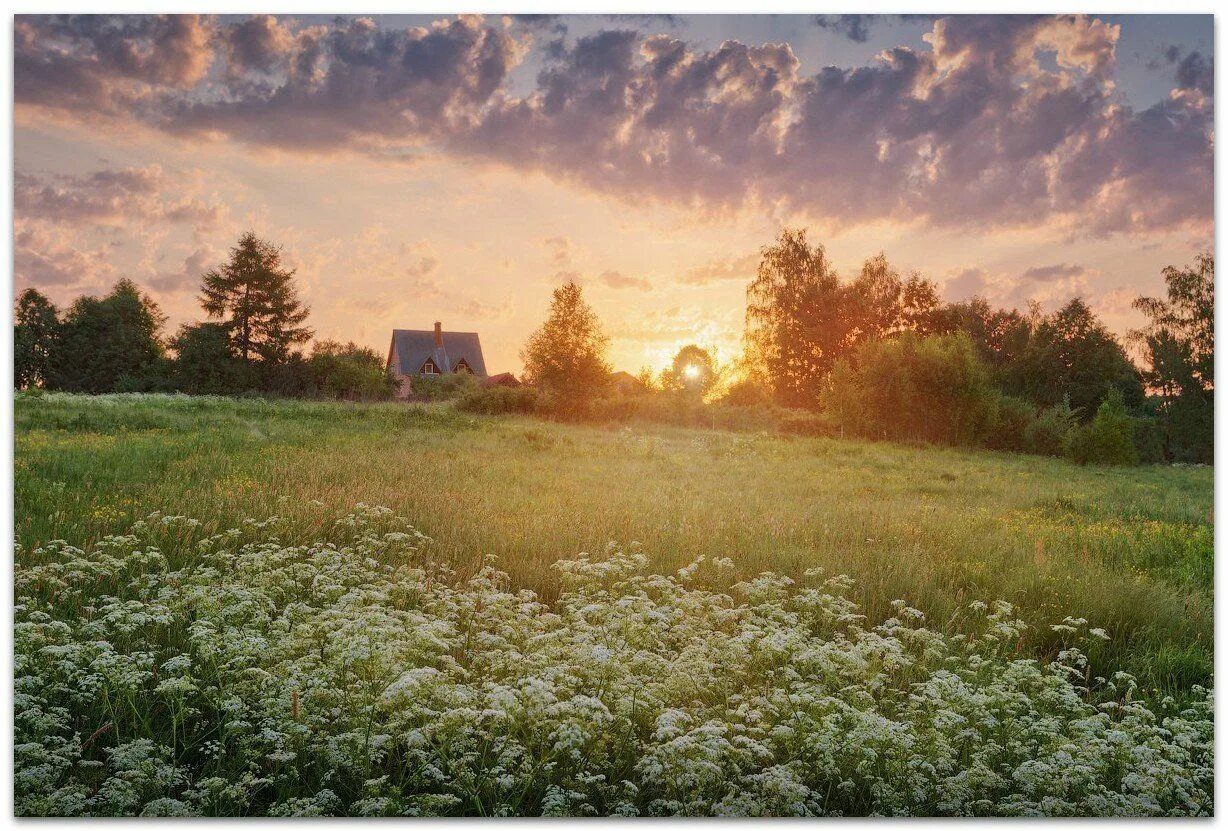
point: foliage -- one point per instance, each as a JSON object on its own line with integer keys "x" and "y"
{"x": 792, "y": 337}
{"x": 801, "y": 320}
{"x": 254, "y": 297}
{"x": 449, "y": 387}
{"x": 349, "y": 372}
{"x": 1110, "y": 437}
{"x": 694, "y": 369}
{"x": 1179, "y": 351}
{"x": 565, "y": 358}
{"x": 110, "y": 343}
{"x": 933, "y": 389}
{"x": 1052, "y": 432}
{"x": 1071, "y": 356}
{"x": 36, "y": 337}
{"x": 206, "y": 364}
{"x": 170, "y": 671}
{"x": 499, "y": 400}
{"x": 1009, "y": 421}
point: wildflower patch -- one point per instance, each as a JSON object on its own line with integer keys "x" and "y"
{"x": 357, "y": 675}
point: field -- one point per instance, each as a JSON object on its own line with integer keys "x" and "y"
{"x": 1128, "y": 552}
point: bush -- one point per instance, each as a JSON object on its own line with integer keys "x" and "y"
{"x": 237, "y": 674}
{"x": 746, "y": 393}
{"x": 805, "y": 423}
{"x": 1051, "y": 432}
{"x": 911, "y": 388}
{"x": 1109, "y": 438}
{"x": 349, "y": 372}
{"x": 499, "y": 401}
{"x": 448, "y": 387}
{"x": 1009, "y": 424}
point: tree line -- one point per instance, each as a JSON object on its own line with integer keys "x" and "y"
{"x": 249, "y": 343}
{"x": 879, "y": 356}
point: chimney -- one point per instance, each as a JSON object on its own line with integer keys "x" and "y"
{"x": 438, "y": 334}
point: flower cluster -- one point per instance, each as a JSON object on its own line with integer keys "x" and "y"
{"x": 171, "y": 672}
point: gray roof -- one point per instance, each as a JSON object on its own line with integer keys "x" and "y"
{"x": 414, "y": 346}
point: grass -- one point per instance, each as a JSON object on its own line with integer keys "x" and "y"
{"x": 1131, "y": 550}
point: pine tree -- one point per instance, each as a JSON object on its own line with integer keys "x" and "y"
{"x": 255, "y": 298}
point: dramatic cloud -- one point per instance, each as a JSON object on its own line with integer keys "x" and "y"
{"x": 1002, "y": 121}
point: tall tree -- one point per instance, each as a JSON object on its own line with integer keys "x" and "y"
{"x": 113, "y": 343}
{"x": 255, "y": 298}
{"x": 794, "y": 319}
{"x": 880, "y": 302}
{"x": 36, "y": 338}
{"x": 566, "y": 356}
{"x": 1072, "y": 356}
{"x": 1178, "y": 346}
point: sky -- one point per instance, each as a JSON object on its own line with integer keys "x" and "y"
{"x": 459, "y": 168}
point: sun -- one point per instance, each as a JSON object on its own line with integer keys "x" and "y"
{"x": 691, "y": 371}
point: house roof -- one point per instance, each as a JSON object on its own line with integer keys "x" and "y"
{"x": 413, "y": 346}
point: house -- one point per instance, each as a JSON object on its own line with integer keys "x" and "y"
{"x": 503, "y": 379}
{"x": 421, "y": 353}
{"x": 625, "y": 383}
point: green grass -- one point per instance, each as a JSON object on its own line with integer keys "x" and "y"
{"x": 1129, "y": 549}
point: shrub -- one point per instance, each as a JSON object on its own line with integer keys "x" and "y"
{"x": 805, "y": 423}
{"x": 746, "y": 392}
{"x": 454, "y": 385}
{"x": 169, "y": 672}
{"x": 933, "y": 389}
{"x": 1050, "y": 434}
{"x": 1109, "y": 438}
{"x": 499, "y": 400}
{"x": 350, "y": 372}
{"x": 1009, "y": 424}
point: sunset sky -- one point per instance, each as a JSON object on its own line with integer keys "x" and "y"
{"x": 457, "y": 169}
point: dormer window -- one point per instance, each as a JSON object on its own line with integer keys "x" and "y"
{"x": 463, "y": 366}
{"x": 429, "y": 368}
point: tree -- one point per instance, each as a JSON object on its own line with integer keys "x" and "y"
{"x": 880, "y": 302}
{"x": 349, "y": 371}
{"x": 36, "y": 338}
{"x": 693, "y": 369}
{"x": 111, "y": 344}
{"x": 1072, "y": 356}
{"x": 1178, "y": 347}
{"x": 566, "y": 356}
{"x": 254, "y": 297}
{"x": 794, "y": 319}
{"x": 205, "y": 363}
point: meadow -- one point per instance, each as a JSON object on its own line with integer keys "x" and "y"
{"x": 1072, "y": 575}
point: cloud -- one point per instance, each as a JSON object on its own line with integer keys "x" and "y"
{"x": 857, "y": 27}
{"x": 734, "y": 268}
{"x": 1049, "y": 273}
{"x": 966, "y": 284}
{"x": 43, "y": 257}
{"x": 187, "y": 278}
{"x": 114, "y": 197}
{"x": 618, "y": 280}
{"x": 1001, "y": 121}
